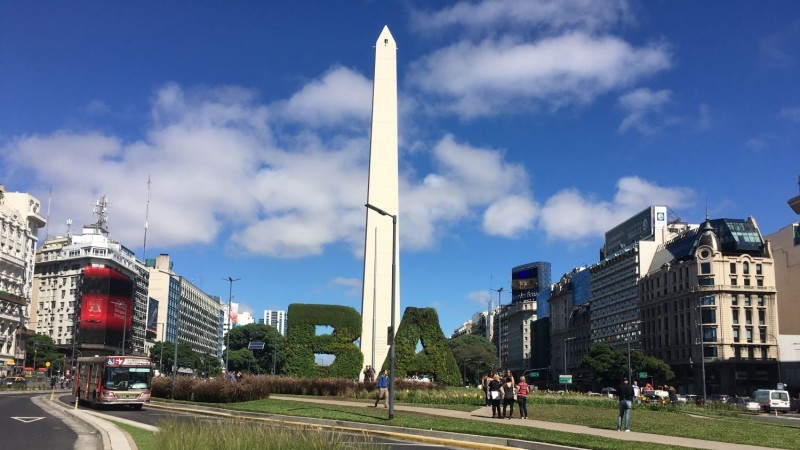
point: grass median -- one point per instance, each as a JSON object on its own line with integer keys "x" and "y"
{"x": 723, "y": 428}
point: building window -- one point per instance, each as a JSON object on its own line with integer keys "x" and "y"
{"x": 734, "y": 282}
{"x": 760, "y": 300}
{"x": 735, "y": 334}
{"x": 758, "y": 268}
{"x": 734, "y": 299}
{"x": 733, "y": 267}
{"x": 747, "y": 281}
{"x": 710, "y": 351}
{"x": 749, "y": 335}
{"x": 709, "y": 334}
{"x": 706, "y": 281}
{"x": 759, "y": 282}
{"x": 705, "y": 268}
{"x": 708, "y": 316}
{"x": 746, "y": 300}
{"x": 735, "y": 313}
{"x": 762, "y": 334}
{"x": 748, "y": 317}
{"x": 761, "y": 317}
{"x": 746, "y": 268}
{"x": 708, "y": 300}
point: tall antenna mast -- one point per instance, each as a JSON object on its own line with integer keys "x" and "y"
{"x": 146, "y": 219}
{"x": 69, "y": 227}
{"x": 47, "y": 227}
{"x": 100, "y": 210}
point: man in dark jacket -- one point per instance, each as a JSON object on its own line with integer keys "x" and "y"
{"x": 625, "y": 393}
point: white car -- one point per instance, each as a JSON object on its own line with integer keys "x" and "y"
{"x": 746, "y": 403}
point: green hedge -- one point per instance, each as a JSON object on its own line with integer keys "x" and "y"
{"x": 303, "y": 343}
{"x": 435, "y": 359}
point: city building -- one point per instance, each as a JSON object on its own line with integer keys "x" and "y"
{"x": 87, "y": 290}
{"x": 513, "y": 322}
{"x": 276, "y": 318}
{"x": 185, "y": 313}
{"x": 709, "y": 309}
{"x": 785, "y": 245}
{"x": 570, "y": 330}
{"x": 20, "y": 221}
{"x": 626, "y": 256}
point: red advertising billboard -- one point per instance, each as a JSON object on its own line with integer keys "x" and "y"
{"x": 106, "y": 298}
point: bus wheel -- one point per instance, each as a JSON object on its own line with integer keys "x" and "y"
{"x": 137, "y": 407}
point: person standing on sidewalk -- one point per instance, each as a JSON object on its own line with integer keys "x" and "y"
{"x": 495, "y": 393}
{"x": 522, "y": 398}
{"x": 509, "y": 397}
{"x": 673, "y": 396}
{"x": 625, "y": 393}
{"x": 383, "y": 388}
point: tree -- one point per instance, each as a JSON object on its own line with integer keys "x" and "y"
{"x": 41, "y": 348}
{"x": 163, "y": 353}
{"x": 610, "y": 365}
{"x": 242, "y": 360}
{"x": 474, "y": 354}
{"x": 268, "y": 360}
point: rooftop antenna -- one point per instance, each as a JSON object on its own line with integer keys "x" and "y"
{"x": 146, "y": 218}
{"x": 100, "y": 210}
{"x": 47, "y": 227}
{"x": 69, "y": 227}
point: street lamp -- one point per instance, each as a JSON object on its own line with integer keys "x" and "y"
{"x": 499, "y": 327}
{"x": 630, "y": 375}
{"x": 703, "y": 346}
{"x": 177, "y": 334}
{"x": 394, "y": 280}
{"x": 777, "y": 356}
{"x": 565, "y": 359}
{"x": 230, "y": 321}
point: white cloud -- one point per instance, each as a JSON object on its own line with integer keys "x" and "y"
{"x": 341, "y": 97}
{"x": 547, "y": 14}
{"x": 466, "y": 179}
{"x": 351, "y": 286}
{"x": 501, "y": 75}
{"x": 756, "y": 144}
{"x": 479, "y": 298}
{"x": 509, "y": 216}
{"x": 792, "y": 114}
{"x": 572, "y": 216}
{"x": 643, "y": 108}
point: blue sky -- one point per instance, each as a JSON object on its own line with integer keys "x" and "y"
{"x": 527, "y": 130}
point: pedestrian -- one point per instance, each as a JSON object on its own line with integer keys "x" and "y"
{"x": 673, "y": 396}
{"x": 61, "y": 381}
{"x": 509, "y": 397}
{"x": 637, "y": 391}
{"x": 383, "y": 388}
{"x": 495, "y": 393}
{"x": 522, "y": 398}
{"x": 53, "y": 381}
{"x": 625, "y": 393}
{"x": 485, "y": 385}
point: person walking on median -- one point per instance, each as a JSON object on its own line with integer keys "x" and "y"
{"x": 673, "y": 396}
{"x": 522, "y": 398}
{"x": 625, "y": 393}
{"x": 383, "y": 388}
{"x": 495, "y": 393}
{"x": 509, "y": 397}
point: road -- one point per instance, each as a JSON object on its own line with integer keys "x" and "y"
{"x": 23, "y": 425}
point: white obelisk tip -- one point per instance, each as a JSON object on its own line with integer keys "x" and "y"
{"x": 386, "y": 37}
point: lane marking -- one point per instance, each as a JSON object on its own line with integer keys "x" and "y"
{"x": 27, "y": 419}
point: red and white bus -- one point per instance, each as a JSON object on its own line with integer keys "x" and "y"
{"x": 113, "y": 380}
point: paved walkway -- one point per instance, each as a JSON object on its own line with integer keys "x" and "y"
{"x": 484, "y": 414}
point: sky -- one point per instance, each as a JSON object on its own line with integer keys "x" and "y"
{"x": 527, "y": 130}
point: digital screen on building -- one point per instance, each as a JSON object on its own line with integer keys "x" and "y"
{"x": 524, "y": 283}
{"x": 106, "y": 297}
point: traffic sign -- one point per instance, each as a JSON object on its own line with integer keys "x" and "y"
{"x": 565, "y": 379}
{"x": 47, "y": 364}
{"x": 255, "y": 345}
{"x": 533, "y": 374}
{"x": 642, "y": 374}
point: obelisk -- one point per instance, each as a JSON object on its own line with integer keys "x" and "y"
{"x": 382, "y": 193}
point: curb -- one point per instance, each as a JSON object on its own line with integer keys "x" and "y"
{"x": 112, "y": 437}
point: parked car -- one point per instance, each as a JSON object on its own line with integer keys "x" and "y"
{"x": 746, "y": 403}
{"x": 10, "y": 381}
{"x": 682, "y": 399}
{"x": 772, "y": 399}
{"x": 691, "y": 399}
{"x": 608, "y": 392}
{"x": 652, "y": 398}
{"x": 719, "y": 398}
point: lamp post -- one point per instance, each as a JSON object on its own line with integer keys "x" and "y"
{"x": 230, "y": 321}
{"x": 177, "y": 335}
{"x": 499, "y": 327}
{"x": 777, "y": 357}
{"x": 394, "y": 281}
{"x": 630, "y": 375}
{"x": 703, "y": 348}
{"x": 565, "y": 358}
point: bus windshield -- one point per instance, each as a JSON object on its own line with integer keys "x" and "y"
{"x": 124, "y": 378}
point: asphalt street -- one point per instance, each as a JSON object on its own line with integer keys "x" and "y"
{"x": 23, "y": 425}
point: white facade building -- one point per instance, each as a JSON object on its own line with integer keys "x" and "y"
{"x": 277, "y": 319}
{"x": 19, "y": 225}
